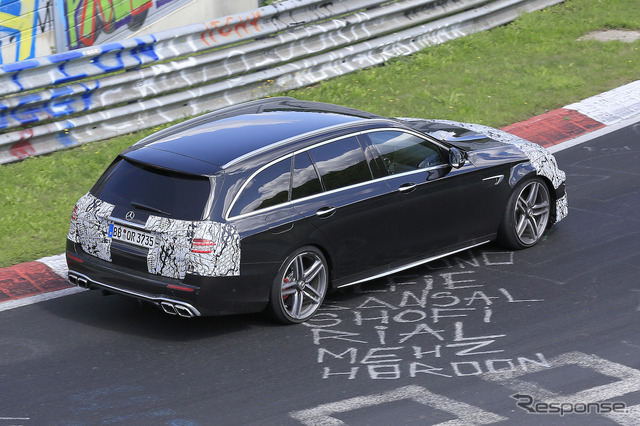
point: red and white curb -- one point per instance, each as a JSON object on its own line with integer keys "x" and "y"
{"x": 602, "y": 113}
{"x": 559, "y": 129}
{"x": 32, "y": 282}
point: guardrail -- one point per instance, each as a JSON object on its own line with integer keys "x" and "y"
{"x": 95, "y": 93}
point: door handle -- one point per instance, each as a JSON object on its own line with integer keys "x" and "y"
{"x": 405, "y": 188}
{"x": 325, "y": 212}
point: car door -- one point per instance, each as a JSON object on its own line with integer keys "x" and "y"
{"x": 333, "y": 189}
{"x": 438, "y": 207}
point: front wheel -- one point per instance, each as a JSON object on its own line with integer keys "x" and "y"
{"x": 527, "y": 214}
{"x": 300, "y": 286}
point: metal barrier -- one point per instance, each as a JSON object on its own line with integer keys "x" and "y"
{"x": 91, "y": 94}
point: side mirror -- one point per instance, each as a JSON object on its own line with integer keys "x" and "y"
{"x": 456, "y": 158}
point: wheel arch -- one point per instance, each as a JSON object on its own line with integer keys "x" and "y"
{"x": 304, "y": 304}
{"x": 521, "y": 226}
{"x": 523, "y": 171}
{"x": 327, "y": 256}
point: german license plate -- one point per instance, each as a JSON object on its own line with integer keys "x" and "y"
{"x": 130, "y": 235}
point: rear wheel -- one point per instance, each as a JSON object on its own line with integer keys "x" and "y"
{"x": 300, "y": 286}
{"x": 527, "y": 214}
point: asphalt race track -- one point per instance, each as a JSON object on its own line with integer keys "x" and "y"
{"x": 486, "y": 336}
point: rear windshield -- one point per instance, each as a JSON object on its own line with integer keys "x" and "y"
{"x": 131, "y": 185}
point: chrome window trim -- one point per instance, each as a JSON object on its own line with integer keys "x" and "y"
{"x": 411, "y": 131}
{"x": 212, "y": 193}
{"x": 228, "y": 216}
{"x": 312, "y": 133}
{"x": 246, "y": 182}
{"x": 284, "y": 157}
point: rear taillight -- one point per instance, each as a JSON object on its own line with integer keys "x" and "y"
{"x": 200, "y": 245}
{"x": 180, "y": 287}
{"x": 74, "y": 214}
{"x": 74, "y": 258}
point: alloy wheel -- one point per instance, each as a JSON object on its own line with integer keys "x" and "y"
{"x": 303, "y": 285}
{"x": 531, "y": 213}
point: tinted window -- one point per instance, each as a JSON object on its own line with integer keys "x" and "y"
{"x": 341, "y": 163}
{"x": 402, "y": 152}
{"x": 305, "y": 178}
{"x": 183, "y": 196}
{"x": 266, "y": 189}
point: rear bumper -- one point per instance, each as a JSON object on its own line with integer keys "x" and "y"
{"x": 170, "y": 306}
{"x": 190, "y": 297}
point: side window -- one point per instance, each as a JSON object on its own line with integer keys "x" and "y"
{"x": 341, "y": 163}
{"x": 305, "y": 180}
{"x": 266, "y": 189}
{"x": 402, "y": 152}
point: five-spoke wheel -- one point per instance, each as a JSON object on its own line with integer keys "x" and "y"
{"x": 300, "y": 286}
{"x": 527, "y": 214}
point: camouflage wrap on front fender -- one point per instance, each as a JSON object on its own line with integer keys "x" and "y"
{"x": 542, "y": 160}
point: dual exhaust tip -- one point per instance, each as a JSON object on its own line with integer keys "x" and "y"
{"x": 79, "y": 281}
{"x": 171, "y": 308}
{"x": 176, "y": 309}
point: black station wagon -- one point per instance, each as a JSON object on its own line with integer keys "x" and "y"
{"x": 271, "y": 203}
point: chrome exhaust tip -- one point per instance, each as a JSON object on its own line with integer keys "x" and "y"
{"x": 183, "y": 311}
{"x": 168, "y": 308}
{"x": 79, "y": 281}
{"x": 177, "y": 309}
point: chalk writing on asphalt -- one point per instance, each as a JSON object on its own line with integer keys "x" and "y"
{"x": 436, "y": 324}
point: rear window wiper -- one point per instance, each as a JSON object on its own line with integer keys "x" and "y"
{"x": 151, "y": 209}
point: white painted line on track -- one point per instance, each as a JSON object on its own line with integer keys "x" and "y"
{"x": 466, "y": 414}
{"x": 12, "y": 304}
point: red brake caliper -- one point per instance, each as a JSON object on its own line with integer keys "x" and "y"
{"x": 286, "y": 280}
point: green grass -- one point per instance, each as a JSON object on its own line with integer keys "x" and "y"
{"x": 502, "y": 76}
{"x": 498, "y": 77}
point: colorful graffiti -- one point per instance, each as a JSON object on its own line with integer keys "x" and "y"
{"x": 21, "y": 23}
{"x": 231, "y": 24}
{"x": 27, "y": 26}
{"x": 87, "y": 20}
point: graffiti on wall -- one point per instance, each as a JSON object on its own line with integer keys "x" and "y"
{"x": 21, "y": 23}
{"x": 89, "y": 22}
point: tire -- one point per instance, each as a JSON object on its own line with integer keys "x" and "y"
{"x": 300, "y": 286}
{"x": 527, "y": 215}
